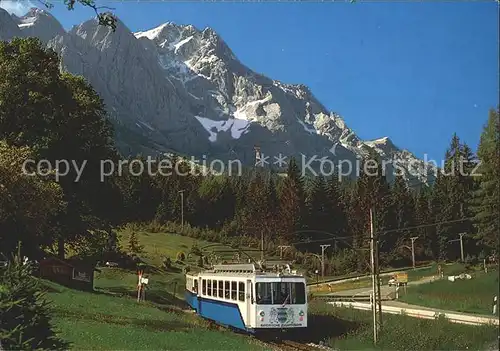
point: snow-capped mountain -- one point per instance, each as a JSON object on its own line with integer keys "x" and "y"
{"x": 178, "y": 88}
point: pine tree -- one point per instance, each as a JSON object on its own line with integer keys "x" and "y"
{"x": 253, "y": 215}
{"x": 25, "y": 320}
{"x": 337, "y": 205}
{"x": 272, "y": 195}
{"x": 216, "y": 202}
{"x": 440, "y": 212}
{"x": 452, "y": 192}
{"x": 358, "y": 225}
{"x": 142, "y": 194}
{"x": 486, "y": 199}
{"x": 372, "y": 191}
{"x": 292, "y": 204}
{"x": 318, "y": 207}
{"x": 271, "y": 206}
{"x": 426, "y": 235}
{"x": 402, "y": 213}
{"x": 133, "y": 244}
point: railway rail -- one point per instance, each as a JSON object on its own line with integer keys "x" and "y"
{"x": 286, "y": 345}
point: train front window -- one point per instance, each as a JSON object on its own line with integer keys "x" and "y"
{"x": 280, "y": 293}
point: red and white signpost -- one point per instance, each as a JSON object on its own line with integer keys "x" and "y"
{"x": 141, "y": 286}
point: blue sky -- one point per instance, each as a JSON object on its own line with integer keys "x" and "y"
{"x": 416, "y": 72}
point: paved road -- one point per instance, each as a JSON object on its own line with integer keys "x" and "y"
{"x": 385, "y": 290}
{"x": 382, "y": 274}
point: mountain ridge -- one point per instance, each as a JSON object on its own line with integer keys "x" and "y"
{"x": 183, "y": 89}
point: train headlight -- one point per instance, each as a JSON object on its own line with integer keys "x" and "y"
{"x": 262, "y": 314}
{"x": 301, "y": 313}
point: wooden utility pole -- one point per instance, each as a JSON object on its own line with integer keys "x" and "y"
{"x": 182, "y": 208}
{"x": 262, "y": 245}
{"x": 462, "y": 246}
{"x": 374, "y": 288}
{"x": 282, "y": 248}
{"x": 256, "y": 164}
{"x": 413, "y": 249}
{"x": 377, "y": 272}
{"x": 323, "y": 248}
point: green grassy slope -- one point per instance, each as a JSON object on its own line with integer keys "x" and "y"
{"x": 100, "y": 321}
{"x": 474, "y": 295}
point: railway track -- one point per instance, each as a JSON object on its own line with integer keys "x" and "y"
{"x": 287, "y": 345}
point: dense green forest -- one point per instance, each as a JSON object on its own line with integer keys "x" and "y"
{"x": 49, "y": 115}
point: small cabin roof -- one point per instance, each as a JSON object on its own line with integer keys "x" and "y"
{"x": 73, "y": 262}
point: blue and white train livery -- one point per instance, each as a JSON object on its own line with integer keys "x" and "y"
{"x": 249, "y": 299}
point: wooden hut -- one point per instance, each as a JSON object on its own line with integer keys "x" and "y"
{"x": 73, "y": 273}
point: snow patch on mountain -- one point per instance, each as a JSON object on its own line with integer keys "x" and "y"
{"x": 237, "y": 127}
{"x": 27, "y": 22}
{"x": 176, "y": 46}
{"x": 152, "y": 33}
{"x": 307, "y": 128}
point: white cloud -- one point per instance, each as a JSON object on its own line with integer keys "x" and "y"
{"x": 17, "y": 7}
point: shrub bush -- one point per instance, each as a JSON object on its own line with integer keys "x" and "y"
{"x": 167, "y": 262}
{"x": 195, "y": 250}
{"x": 181, "y": 256}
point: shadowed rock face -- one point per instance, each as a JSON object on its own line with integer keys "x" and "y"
{"x": 8, "y": 26}
{"x": 178, "y": 88}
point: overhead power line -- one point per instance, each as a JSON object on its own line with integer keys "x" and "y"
{"x": 424, "y": 225}
{"x": 386, "y": 231}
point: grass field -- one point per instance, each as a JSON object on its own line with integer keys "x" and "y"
{"x": 349, "y": 329}
{"x": 474, "y": 295}
{"x": 157, "y": 246}
{"x": 99, "y": 321}
{"x": 111, "y": 318}
{"x": 160, "y": 245}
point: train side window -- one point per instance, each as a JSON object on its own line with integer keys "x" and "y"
{"x": 221, "y": 289}
{"x": 233, "y": 291}
{"x": 209, "y": 287}
{"x": 252, "y": 298}
{"x": 204, "y": 286}
{"x": 214, "y": 288}
{"x": 241, "y": 291}
{"x": 195, "y": 288}
{"x": 226, "y": 290}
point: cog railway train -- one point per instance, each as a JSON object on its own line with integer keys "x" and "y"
{"x": 249, "y": 299}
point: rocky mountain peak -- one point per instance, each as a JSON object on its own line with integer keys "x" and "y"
{"x": 103, "y": 37}
{"x": 8, "y": 26}
{"x": 40, "y": 23}
{"x": 187, "y": 40}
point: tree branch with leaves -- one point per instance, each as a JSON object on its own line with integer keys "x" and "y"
{"x": 105, "y": 18}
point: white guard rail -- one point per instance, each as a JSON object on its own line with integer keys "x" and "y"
{"x": 426, "y": 314}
